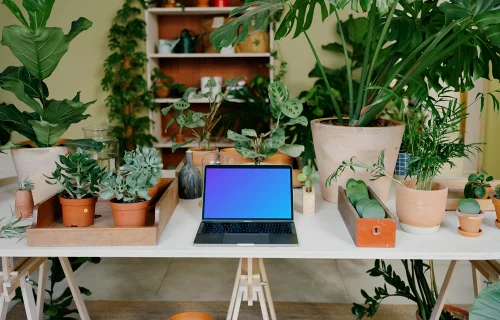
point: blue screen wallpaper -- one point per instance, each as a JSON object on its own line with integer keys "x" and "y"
{"x": 249, "y": 193}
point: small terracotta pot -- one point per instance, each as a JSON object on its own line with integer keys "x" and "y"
{"x": 170, "y": 4}
{"x": 470, "y": 223}
{"x": 279, "y": 158}
{"x": 420, "y": 211}
{"x": 233, "y": 157}
{"x": 488, "y": 191}
{"x": 202, "y": 3}
{"x": 456, "y": 312}
{"x": 179, "y": 138}
{"x": 191, "y": 316}
{"x": 496, "y": 203}
{"x": 152, "y": 192}
{"x": 129, "y": 214}
{"x": 198, "y": 155}
{"x": 24, "y": 204}
{"x": 78, "y": 212}
{"x": 163, "y": 92}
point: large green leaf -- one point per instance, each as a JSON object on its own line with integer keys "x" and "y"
{"x": 40, "y": 51}
{"x": 276, "y": 140}
{"x": 85, "y": 144}
{"x": 487, "y": 304}
{"x": 38, "y": 12}
{"x": 236, "y": 136}
{"x": 16, "y": 12}
{"x": 302, "y": 120}
{"x": 292, "y": 108}
{"x": 17, "y": 88}
{"x": 14, "y": 120}
{"x": 48, "y": 133}
{"x": 66, "y": 111}
{"x": 33, "y": 87}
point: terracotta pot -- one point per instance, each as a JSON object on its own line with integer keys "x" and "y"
{"x": 35, "y": 163}
{"x": 496, "y": 203}
{"x": 279, "y": 158}
{"x": 152, "y": 192}
{"x": 233, "y": 157}
{"x": 170, "y": 4}
{"x": 129, "y": 214}
{"x": 198, "y": 155}
{"x": 334, "y": 144}
{"x": 420, "y": 211}
{"x": 202, "y": 3}
{"x": 456, "y": 312}
{"x": 78, "y": 212}
{"x": 470, "y": 223}
{"x": 191, "y": 316}
{"x": 163, "y": 92}
{"x": 24, "y": 204}
{"x": 488, "y": 191}
{"x": 179, "y": 138}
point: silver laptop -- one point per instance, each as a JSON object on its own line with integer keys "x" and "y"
{"x": 247, "y": 205}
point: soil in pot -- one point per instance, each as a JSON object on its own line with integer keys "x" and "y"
{"x": 470, "y": 224}
{"x": 129, "y": 214}
{"x": 77, "y": 212}
{"x": 24, "y": 204}
{"x": 496, "y": 203}
{"x": 457, "y": 313}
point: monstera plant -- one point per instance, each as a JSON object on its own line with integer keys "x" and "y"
{"x": 39, "y": 49}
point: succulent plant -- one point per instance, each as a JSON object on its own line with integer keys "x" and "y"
{"x": 132, "y": 187}
{"x": 308, "y": 177}
{"x": 497, "y": 191}
{"x": 78, "y": 174}
{"x": 26, "y": 185}
{"x": 477, "y": 184}
{"x": 12, "y": 228}
{"x": 469, "y": 206}
{"x": 373, "y": 210}
{"x": 145, "y": 161}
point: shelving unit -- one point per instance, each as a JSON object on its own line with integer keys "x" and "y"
{"x": 209, "y": 55}
{"x": 202, "y": 100}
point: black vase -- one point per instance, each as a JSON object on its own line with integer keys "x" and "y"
{"x": 190, "y": 179}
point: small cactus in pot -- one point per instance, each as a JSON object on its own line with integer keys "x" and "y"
{"x": 24, "y": 199}
{"x": 470, "y": 217}
{"x": 308, "y": 195}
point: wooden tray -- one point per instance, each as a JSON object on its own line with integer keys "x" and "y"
{"x": 47, "y": 229}
{"x": 456, "y": 192}
{"x": 375, "y": 233}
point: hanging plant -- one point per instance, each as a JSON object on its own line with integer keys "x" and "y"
{"x": 124, "y": 78}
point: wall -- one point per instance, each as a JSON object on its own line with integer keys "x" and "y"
{"x": 492, "y": 132}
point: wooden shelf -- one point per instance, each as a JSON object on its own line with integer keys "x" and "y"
{"x": 222, "y": 143}
{"x": 202, "y": 100}
{"x": 191, "y": 11}
{"x": 210, "y": 55}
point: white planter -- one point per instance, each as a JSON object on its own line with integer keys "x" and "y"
{"x": 308, "y": 201}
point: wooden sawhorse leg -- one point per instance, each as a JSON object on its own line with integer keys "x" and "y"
{"x": 75, "y": 290}
{"x": 438, "y": 307}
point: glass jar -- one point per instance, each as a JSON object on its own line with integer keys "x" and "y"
{"x": 108, "y": 157}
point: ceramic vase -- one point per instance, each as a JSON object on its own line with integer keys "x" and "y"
{"x": 190, "y": 179}
{"x": 402, "y": 164}
{"x": 308, "y": 201}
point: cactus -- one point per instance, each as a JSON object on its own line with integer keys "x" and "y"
{"x": 373, "y": 210}
{"x": 469, "y": 206}
{"x": 26, "y": 185}
{"x": 308, "y": 177}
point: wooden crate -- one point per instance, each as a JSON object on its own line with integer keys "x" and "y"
{"x": 47, "y": 229}
{"x": 375, "y": 233}
{"x": 456, "y": 192}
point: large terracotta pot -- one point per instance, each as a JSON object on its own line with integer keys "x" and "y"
{"x": 233, "y": 157}
{"x": 456, "y": 312}
{"x": 334, "y": 144}
{"x": 129, "y": 214}
{"x": 420, "y": 211}
{"x": 78, "y": 212}
{"x": 496, "y": 203}
{"x": 24, "y": 204}
{"x": 198, "y": 155}
{"x": 279, "y": 158}
{"x": 470, "y": 224}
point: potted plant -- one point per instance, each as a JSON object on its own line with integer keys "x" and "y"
{"x": 286, "y": 112}
{"x": 308, "y": 195}
{"x": 419, "y": 288}
{"x": 48, "y": 119}
{"x": 496, "y": 202}
{"x": 478, "y": 185}
{"x": 201, "y": 124}
{"x": 487, "y": 303}
{"x": 78, "y": 175}
{"x": 470, "y": 217}
{"x": 130, "y": 192}
{"x": 161, "y": 83}
{"x": 24, "y": 199}
{"x": 383, "y": 81}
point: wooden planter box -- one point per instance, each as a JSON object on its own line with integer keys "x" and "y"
{"x": 456, "y": 192}
{"x": 375, "y": 233}
{"x": 47, "y": 229}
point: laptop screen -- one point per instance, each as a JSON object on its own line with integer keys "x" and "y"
{"x": 248, "y": 192}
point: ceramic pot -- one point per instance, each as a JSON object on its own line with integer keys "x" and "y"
{"x": 190, "y": 180}
{"x": 456, "y": 312}
{"x": 308, "y": 201}
{"x": 202, "y": 3}
{"x": 24, "y": 204}
{"x": 470, "y": 223}
{"x": 78, "y": 212}
{"x": 334, "y": 144}
{"x": 279, "y": 158}
{"x": 496, "y": 203}
{"x": 179, "y": 138}
{"x": 198, "y": 155}
{"x": 129, "y": 215}
{"x": 402, "y": 164}
{"x": 421, "y": 211}
{"x": 163, "y": 92}
{"x": 233, "y": 157}
{"x": 35, "y": 163}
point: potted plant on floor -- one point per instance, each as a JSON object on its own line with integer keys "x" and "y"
{"x": 78, "y": 175}
{"x": 48, "y": 119}
{"x": 470, "y": 217}
{"x": 496, "y": 202}
{"x": 382, "y": 84}
{"x": 308, "y": 194}
{"x": 286, "y": 112}
{"x": 487, "y": 303}
{"x": 161, "y": 83}
{"x": 478, "y": 185}
{"x": 24, "y": 199}
{"x": 201, "y": 124}
{"x": 145, "y": 161}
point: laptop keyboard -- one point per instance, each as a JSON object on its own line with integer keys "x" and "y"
{"x": 247, "y": 227}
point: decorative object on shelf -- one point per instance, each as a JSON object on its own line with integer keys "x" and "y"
{"x": 308, "y": 195}
{"x": 202, "y": 3}
{"x": 220, "y": 3}
{"x": 190, "y": 180}
{"x": 161, "y": 83}
{"x": 48, "y": 119}
{"x": 188, "y": 41}
{"x": 78, "y": 175}
{"x": 402, "y": 164}
{"x": 363, "y": 132}
{"x": 486, "y": 305}
{"x": 496, "y": 202}
{"x": 228, "y": 50}
{"x": 470, "y": 217}
{"x": 418, "y": 288}
{"x": 129, "y": 96}
{"x": 167, "y": 46}
{"x": 170, "y": 4}
{"x": 179, "y": 137}
{"x": 12, "y": 228}
{"x": 478, "y": 185}
{"x": 107, "y": 158}
{"x": 24, "y": 199}
{"x": 286, "y": 112}
{"x": 257, "y": 42}
{"x": 209, "y": 25}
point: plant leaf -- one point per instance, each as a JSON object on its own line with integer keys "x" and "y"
{"x": 231, "y": 135}
{"x": 302, "y": 120}
{"x": 293, "y": 150}
{"x": 85, "y": 144}
{"x": 66, "y": 111}
{"x": 16, "y": 11}
{"x": 292, "y": 108}
{"x": 249, "y": 132}
{"x": 486, "y": 305}
{"x": 38, "y": 12}
{"x": 14, "y": 120}
{"x": 48, "y": 133}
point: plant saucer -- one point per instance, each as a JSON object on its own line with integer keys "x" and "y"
{"x": 470, "y": 234}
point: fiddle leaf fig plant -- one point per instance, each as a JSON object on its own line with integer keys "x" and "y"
{"x": 286, "y": 112}
{"x": 39, "y": 48}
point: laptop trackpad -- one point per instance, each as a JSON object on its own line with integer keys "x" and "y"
{"x": 235, "y": 238}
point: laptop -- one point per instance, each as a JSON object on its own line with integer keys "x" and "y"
{"x": 247, "y": 205}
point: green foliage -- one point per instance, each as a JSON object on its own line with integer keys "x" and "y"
{"x": 78, "y": 174}
{"x": 469, "y": 206}
{"x": 11, "y": 228}
{"x": 26, "y": 184}
{"x": 286, "y": 112}
{"x": 126, "y": 187}
{"x": 487, "y": 303}
{"x": 497, "y": 191}
{"x": 159, "y": 80}
{"x": 124, "y": 69}
{"x": 145, "y": 161}
{"x": 372, "y": 210}
{"x": 477, "y": 184}
{"x": 308, "y": 177}
{"x": 39, "y": 49}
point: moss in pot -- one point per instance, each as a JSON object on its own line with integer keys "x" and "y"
{"x": 78, "y": 174}
{"x": 470, "y": 217}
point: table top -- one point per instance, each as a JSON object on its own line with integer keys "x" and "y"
{"x": 322, "y": 236}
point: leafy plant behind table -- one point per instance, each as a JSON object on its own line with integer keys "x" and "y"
{"x": 477, "y": 184}
{"x": 124, "y": 69}
{"x": 433, "y": 48}
{"x": 40, "y": 49}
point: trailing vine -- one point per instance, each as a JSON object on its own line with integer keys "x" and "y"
{"x": 124, "y": 78}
